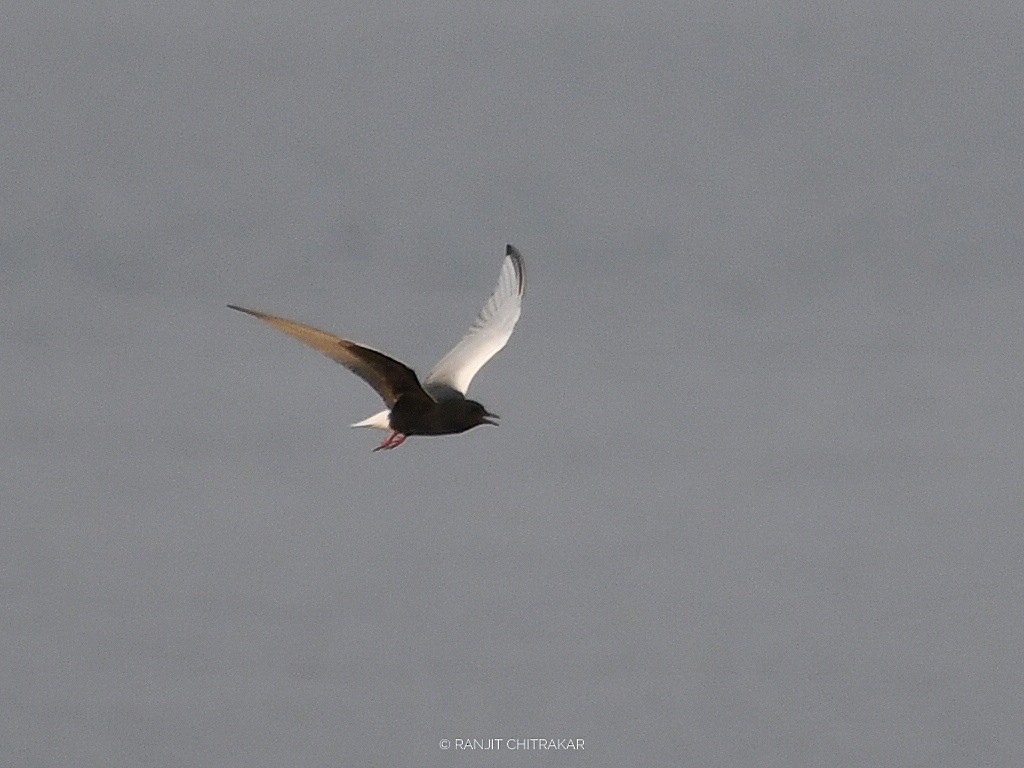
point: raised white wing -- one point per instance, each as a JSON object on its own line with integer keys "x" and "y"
{"x": 489, "y": 333}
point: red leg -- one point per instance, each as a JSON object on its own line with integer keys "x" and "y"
{"x": 395, "y": 440}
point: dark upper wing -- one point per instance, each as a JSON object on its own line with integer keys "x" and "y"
{"x": 389, "y": 377}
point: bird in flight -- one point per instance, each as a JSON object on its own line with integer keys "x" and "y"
{"x": 439, "y": 405}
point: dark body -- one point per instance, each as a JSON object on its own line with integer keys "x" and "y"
{"x": 415, "y": 414}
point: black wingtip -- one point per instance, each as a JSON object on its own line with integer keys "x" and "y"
{"x": 517, "y": 258}
{"x": 241, "y": 309}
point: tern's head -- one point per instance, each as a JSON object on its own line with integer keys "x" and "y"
{"x": 473, "y": 414}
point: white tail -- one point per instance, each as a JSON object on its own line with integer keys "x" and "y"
{"x": 378, "y": 421}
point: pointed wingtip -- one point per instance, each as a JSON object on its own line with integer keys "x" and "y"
{"x": 513, "y": 253}
{"x": 237, "y": 308}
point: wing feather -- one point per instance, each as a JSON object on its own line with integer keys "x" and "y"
{"x": 490, "y": 332}
{"x": 390, "y": 378}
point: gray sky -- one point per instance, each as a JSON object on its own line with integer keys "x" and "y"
{"x": 756, "y": 496}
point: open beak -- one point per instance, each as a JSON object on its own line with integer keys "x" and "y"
{"x": 489, "y": 416}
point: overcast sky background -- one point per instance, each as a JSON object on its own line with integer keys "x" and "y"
{"x": 756, "y": 497}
